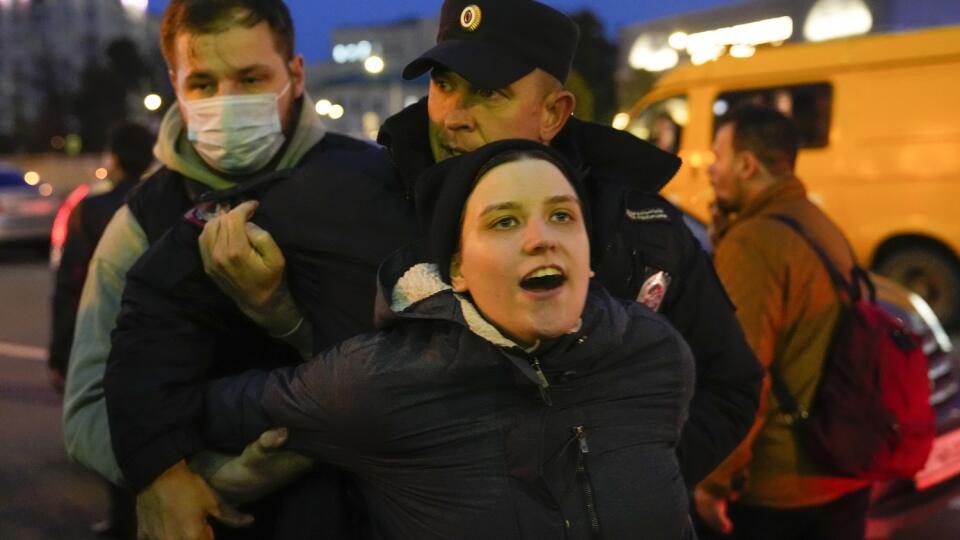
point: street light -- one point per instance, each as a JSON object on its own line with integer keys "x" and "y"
{"x": 373, "y": 65}
{"x": 32, "y": 178}
{"x": 336, "y": 111}
{"x": 621, "y": 121}
{"x": 323, "y": 107}
{"x": 152, "y": 102}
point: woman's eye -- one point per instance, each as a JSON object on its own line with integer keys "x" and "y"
{"x": 504, "y": 223}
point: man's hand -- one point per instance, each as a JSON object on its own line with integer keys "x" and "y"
{"x": 261, "y": 469}
{"x": 242, "y": 258}
{"x": 176, "y": 505}
{"x": 712, "y": 510}
{"x": 245, "y": 262}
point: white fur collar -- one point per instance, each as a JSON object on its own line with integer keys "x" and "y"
{"x": 423, "y": 281}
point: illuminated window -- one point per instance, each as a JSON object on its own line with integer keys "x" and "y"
{"x": 662, "y": 123}
{"x": 808, "y": 104}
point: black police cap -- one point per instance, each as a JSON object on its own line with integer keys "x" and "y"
{"x": 492, "y": 43}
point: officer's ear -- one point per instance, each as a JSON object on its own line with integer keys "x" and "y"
{"x": 558, "y": 105}
{"x": 457, "y": 280}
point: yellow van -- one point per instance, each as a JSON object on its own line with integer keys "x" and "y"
{"x": 879, "y": 119}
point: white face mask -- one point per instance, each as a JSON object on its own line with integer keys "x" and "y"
{"x": 235, "y": 134}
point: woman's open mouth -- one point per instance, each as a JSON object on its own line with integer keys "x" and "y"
{"x": 543, "y": 279}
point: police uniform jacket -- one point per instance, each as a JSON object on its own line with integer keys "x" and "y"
{"x": 444, "y": 424}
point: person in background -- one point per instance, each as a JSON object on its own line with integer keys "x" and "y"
{"x": 769, "y": 487}
{"x": 129, "y": 155}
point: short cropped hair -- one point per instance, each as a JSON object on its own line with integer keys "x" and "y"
{"x": 132, "y": 144}
{"x": 766, "y": 132}
{"x": 214, "y": 16}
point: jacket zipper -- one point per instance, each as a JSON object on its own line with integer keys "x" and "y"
{"x": 542, "y": 380}
{"x": 584, "y": 477}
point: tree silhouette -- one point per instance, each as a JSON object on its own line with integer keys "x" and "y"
{"x": 105, "y": 89}
{"x": 595, "y": 62}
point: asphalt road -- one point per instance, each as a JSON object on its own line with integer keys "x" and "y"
{"x": 44, "y": 497}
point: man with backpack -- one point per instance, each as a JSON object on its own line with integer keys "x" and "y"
{"x": 789, "y": 308}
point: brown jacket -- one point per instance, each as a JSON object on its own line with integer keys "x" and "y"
{"x": 788, "y": 308}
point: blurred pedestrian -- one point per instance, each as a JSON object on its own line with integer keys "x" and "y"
{"x": 129, "y": 155}
{"x": 788, "y": 306}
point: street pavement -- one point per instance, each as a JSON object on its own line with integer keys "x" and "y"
{"x": 45, "y": 497}
{"x": 42, "y": 495}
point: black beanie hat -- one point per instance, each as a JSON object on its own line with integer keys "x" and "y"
{"x": 442, "y": 192}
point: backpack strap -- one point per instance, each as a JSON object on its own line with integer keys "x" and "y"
{"x": 853, "y": 288}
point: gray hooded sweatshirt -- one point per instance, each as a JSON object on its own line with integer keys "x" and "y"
{"x": 85, "y": 428}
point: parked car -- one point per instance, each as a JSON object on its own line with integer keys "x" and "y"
{"x": 26, "y": 211}
{"x": 943, "y": 369}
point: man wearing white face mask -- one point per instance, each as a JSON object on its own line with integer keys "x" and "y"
{"x": 242, "y": 119}
{"x": 237, "y": 134}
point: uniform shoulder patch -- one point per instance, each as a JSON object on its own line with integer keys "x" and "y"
{"x": 648, "y": 214}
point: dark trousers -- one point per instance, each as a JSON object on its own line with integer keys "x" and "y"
{"x": 840, "y": 519}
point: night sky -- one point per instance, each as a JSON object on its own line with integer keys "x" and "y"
{"x": 316, "y": 19}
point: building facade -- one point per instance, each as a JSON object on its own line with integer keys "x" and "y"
{"x": 738, "y": 29}
{"x": 360, "y": 86}
{"x": 46, "y": 43}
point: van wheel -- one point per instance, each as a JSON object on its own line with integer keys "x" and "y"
{"x": 932, "y": 274}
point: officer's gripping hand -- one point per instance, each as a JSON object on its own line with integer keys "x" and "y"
{"x": 261, "y": 469}
{"x": 246, "y": 264}
{"x": 175, "y": 506}
{"x": 712, "y": 510}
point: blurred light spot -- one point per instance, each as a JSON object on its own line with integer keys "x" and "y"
{"x": 336, "y": 111}
{"x": 57, "y": 142}
{"x": 621, "y": 120}
{"x": 352, "y": 52}
{"x": 323, "y": 107}
{"x": 645, "y": 55}
{"x": 832, "y": 19}
{"x": 45, "y": 189}
{"x": 100, "y": 173}
{"x": 678, "y": 40}
{"x": 152, "y": 102}
{"x": 373, "y": 65}
{"x": 32, "y": 178}
{"x": 742, "y": 51}
{"x": 720, "y": 107}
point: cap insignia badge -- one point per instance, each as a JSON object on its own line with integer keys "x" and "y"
{"x": 470, "y": 18}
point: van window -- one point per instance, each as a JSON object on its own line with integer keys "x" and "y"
{"x": 807, "y": 104}
{"x": 662, "y": 123}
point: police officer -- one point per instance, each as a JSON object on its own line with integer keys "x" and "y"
{"x": 496, "y": 72}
